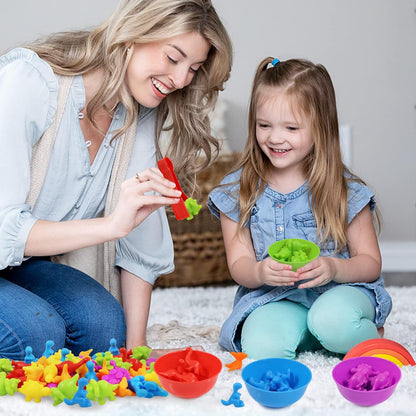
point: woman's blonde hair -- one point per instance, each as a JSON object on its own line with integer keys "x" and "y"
{"x": 310, "y": 89}
{"x": 144, "y": 21}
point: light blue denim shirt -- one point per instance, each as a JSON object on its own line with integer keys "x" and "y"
{"x": 275, "y": 217}
{"x": 73, "y": 188}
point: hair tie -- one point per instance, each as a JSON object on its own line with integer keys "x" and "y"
{"x": 275, "y": 61}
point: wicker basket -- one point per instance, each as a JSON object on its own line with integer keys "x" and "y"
{"x": 198, "y": 244}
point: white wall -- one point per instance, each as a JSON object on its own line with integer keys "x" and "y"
{"x": 368, "y": 46}
{"x": 26, "y": 20}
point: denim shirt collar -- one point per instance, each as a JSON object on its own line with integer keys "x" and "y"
{"x": 285, "y": 197}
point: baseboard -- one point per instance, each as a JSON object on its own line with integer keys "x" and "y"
{"x": 398, "y": 256}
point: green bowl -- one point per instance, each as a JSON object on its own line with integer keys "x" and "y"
{"x": 294, "y": 251}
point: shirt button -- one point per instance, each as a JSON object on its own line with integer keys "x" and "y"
{"x": 280, "y": 229}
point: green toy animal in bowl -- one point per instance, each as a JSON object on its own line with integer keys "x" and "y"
{"x": 294, "y": 251}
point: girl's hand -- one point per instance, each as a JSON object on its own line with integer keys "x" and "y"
{"x": 273, "y": 273}
{"x": 139, "y": 197}
{"x": 319, "y": 272}
{"x": 364, "y": 265}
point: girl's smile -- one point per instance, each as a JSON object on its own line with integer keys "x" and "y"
{"x": 280, "y": 152}
{"x": 283, "y": 134}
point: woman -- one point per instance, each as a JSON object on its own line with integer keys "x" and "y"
{"x": 86, "y": 91}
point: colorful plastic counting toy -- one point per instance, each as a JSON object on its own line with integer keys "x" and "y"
{"x": 382, "y": 348}
{"x": 364, "y": 377}
{"x": 272, "y": 381}
{"x": 186, "y": 207}
{"x": 8, "y": 386}
{"x": 66, "y": 389}
{"x": 147, "y": 389}
{"x": 235, "y": 397}
{"x": 188, "y": 373}
{"x": 81, "y": 380}
{"x": 188, "y": 370}
{"x": 238, "y": 363}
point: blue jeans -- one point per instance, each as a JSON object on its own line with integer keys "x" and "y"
{"x": 41, "y": 301}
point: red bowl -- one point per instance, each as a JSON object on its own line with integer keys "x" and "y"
{"x": 210, "y": 363}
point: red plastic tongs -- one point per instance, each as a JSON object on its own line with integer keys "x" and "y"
{"x": 165, "y": 165}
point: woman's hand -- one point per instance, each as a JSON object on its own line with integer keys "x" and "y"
{"x": 139, "y": 197}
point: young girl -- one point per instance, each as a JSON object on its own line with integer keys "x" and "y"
{"x": 83, "y": 93}
{"x": 291, "y": 183}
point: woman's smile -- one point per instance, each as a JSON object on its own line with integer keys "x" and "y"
{"x": 159, "y": 68}
{"x": 160, "y": 89}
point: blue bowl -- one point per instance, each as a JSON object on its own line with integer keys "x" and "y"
{"x": 299, "y": 374}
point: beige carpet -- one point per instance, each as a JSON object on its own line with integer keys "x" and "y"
{"x": 196, "y": 315}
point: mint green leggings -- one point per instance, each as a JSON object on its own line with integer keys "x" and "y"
{"x": 338, "y": 320}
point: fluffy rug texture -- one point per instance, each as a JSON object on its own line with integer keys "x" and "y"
{"x": 181, "y": 317}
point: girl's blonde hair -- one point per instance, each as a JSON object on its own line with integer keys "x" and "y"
{"x": 144, "y": 21}
{"x": 311, "y": 91}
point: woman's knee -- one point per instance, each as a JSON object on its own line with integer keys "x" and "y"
{"x": 15, "y": 341}
{"x": 276, "y": 329}
{"x": 91, "y": 315}
{"x": 27, "y": 321}
{"x": 99, "y": 318}
{"x": 341, "y": 318}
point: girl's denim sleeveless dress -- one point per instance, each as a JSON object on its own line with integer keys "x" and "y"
{"x": 277, "y": 216}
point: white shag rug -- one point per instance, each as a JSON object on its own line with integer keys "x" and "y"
{"x": 201, "y": 311}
